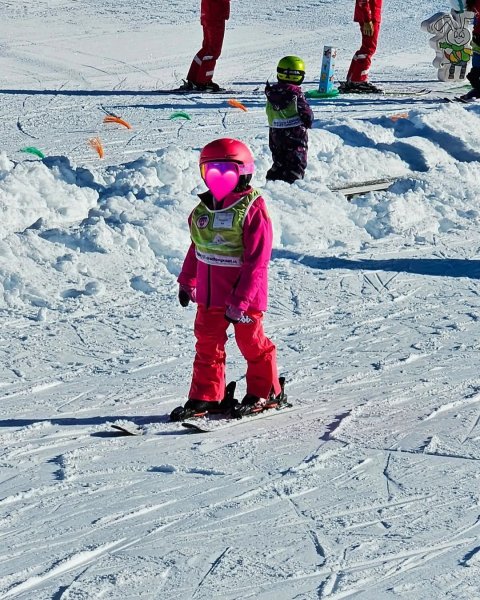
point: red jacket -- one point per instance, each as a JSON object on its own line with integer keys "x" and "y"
{"x": 212, "y": 11}
{"x": 368, "y": 10}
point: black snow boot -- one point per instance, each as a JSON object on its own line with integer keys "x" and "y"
{"x": 251, "y": 404}
{"x": 199, "y": 408}
{"x": 192, "y": 409}
{"x": 474, "y": 77}
{"x": 359, "y": 87}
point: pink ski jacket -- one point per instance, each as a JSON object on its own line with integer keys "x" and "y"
{"x": 368, "y": 10}
{"x": 244, "y": 286}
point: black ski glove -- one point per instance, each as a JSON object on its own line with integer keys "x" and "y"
{"x": 233, "y": 314}
{"x": 186, "y": 294}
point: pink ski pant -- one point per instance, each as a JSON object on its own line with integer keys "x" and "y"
{"x": 208, "y": 380}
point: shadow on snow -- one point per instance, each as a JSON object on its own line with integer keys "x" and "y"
{"x": 445, "y": 267}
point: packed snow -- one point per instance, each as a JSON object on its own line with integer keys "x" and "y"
{"x": 369, "y": 486}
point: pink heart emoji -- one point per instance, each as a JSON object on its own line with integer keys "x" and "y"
{"x": 221, "y": 179}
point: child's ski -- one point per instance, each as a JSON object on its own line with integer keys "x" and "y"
{"x": 228, "y": 413}
{"x": 461, "y": 100}
{"x": 209, "y": 425}
{"x": 137, "y": 426}
{"x": 239, "y": 411}
{"x": 390, "y": 92}
{"x": 413, "y": 92}
{"x": 128, "y": 428}
{"x": 221, "y": 92}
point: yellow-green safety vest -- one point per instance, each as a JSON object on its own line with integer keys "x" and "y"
{"x": 217, "y": 234}
{"x": 282, "y": 118}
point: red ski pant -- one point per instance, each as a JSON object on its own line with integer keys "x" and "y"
{"x": 362, "y": 59}
{"x": 203, "y": 63}
{"x": 208, "y": 380}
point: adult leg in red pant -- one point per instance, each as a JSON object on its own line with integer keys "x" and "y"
{"x": 203, "y": 64}
{"x": 357, "y": 76}
{"x": 214, "y": 14}
{"x": 362, "y": 59}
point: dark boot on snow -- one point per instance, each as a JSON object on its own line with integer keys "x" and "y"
{"x": 359, "y": 87}
{"x": 193, "y": 409}
{"x": 190, "y": 86}
{"x": 251, "y": 404}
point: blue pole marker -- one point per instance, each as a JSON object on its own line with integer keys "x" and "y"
{"x": 326, "y": 89}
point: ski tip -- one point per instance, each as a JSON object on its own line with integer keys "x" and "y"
{"x": 194, "y": 428}
{"x": 131, "y": 429}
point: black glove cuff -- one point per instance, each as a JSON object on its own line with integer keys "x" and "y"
{"x": 234, "y": 321}
{"x": 183, "y": 298}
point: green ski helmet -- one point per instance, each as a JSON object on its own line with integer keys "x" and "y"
{"x": 291, "y": 69}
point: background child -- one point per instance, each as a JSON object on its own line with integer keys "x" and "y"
{"x": 368, "y": 14}
{"x": 474, "y": 74}
{"x": 226, "y": 272}
{"x": 289, "y": 117}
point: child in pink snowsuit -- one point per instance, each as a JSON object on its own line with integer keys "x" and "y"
{"x": 225, "y": 272}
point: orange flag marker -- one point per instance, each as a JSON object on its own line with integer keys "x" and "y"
{"x": 399, "y": 116}
{"x": 96, "y": 144}
{"x": 119, "y": 120}
{"x": 237, "y": 104}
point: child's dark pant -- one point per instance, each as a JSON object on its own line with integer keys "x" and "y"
{"x": 289, "y": 149}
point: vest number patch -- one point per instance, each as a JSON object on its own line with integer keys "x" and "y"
{"x": 223, "y": 220}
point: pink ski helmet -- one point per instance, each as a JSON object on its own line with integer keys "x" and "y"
{"x": 229, "y": 150}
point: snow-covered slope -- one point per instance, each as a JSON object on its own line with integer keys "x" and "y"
{"x": 369, "y": 487}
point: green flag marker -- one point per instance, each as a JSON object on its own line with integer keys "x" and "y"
{"x": 180, "y": 115}
{"x": 33, "y": 150}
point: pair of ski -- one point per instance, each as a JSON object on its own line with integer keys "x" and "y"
{"x": 193, "y": 92}
{"x": 461, "y": 100}
{"x": 208, "y": 422}
{"x": 389, "y": 92}
{"x": 221, "y": 91}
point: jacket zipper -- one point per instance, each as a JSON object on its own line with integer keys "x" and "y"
{"x": 208, "y": 286}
